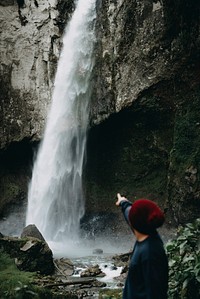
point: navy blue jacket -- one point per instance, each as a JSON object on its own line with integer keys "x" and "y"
{"x": 148, "y": 269}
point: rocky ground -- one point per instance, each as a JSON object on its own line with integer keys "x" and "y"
{"x": 60, "y": 276}
{"x": 64, "y": 277}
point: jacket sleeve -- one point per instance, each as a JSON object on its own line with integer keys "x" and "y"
{"x": 125, "y": 206}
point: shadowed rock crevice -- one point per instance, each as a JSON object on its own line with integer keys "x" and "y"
{"x": 16, "y": 166}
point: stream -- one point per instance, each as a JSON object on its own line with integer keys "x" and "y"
{"x": 82, "y": 253}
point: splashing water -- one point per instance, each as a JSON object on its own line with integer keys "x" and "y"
{"x": 55, "y": 199}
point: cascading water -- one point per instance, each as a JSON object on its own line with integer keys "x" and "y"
{"x": 55, "y": 199}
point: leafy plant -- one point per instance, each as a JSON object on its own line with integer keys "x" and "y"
{"x": 184, "y": 263}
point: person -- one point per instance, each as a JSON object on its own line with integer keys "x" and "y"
{"x": 148, "y": 267}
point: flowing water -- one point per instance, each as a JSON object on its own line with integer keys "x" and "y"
{"x": 55, "y": 199}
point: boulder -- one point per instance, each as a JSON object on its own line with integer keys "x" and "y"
{"x": 32, "y": 231}
{"x": 30, "y": 254}
{"x": 64, "y": 267}
{"x": 92, "y": 271}
{"x": 122, "y": 260}
{"x": 97, "y": 251}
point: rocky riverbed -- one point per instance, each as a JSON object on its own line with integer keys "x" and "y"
{"x": 79, "y": 271}
{"x": 82, "y": 269}
{"x": 79, "y": 277}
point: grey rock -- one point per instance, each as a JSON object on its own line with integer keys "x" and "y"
{"x": 29, "y": 54}
{"x": 98, "y": 251}
{"x": 136, "y": 51}
{"x": 7, "y": 2}
{"x": 30, "y": 254}
{"x": 32, "y": 231}
{"x": 64, "y": 266}
{"x": 92, "y": 271}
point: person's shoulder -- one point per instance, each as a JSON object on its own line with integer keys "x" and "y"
{"x": 155, "y": 241}
{"x": 152, "y": 246}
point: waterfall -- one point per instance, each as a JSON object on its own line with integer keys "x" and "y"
{"x": 55, "y": 195}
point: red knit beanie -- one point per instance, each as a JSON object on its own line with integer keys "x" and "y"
{"x": 145, "y": 216}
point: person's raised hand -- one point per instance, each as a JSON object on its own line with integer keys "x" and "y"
{"x": 119, "y": 199}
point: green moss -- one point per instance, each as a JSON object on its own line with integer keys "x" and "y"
{"x": 110, "y": 294}
{"x": 17, "y": 284}
{"x": 129, "y": 154}
{"x": 183, "y": 185}
{"x": 185, "y": 151}
{"x": 10, "y": 188}
{"x": 25, "y": 285}
{"x": 186, "y": 134}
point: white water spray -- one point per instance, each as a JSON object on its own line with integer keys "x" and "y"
{"x": 55, "y": 199}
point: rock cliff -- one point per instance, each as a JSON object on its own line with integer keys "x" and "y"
{"x": 29, "y": 50}
{"x": 147, "y": 67}
{"x": 146, "y": 84}
{"x": 141, "y": 43}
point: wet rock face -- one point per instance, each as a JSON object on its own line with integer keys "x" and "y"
{"x": 149, "y": 150}
{"x": 140, "y": 43}
{"x": 184, "y": 168}
{"x": 129, "y": 153}
{"x": 15, "y": 172}
{"x": 147, "y": 53}
{"x": 29, "y": 50}
{"x": 7, "y": 2}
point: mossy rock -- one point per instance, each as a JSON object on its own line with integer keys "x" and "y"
{"x": 110, "y": 294}
{"x": 10, "y": 191}
{"x": 30, "y": 254}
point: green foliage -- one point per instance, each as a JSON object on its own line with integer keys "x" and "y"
{"x": 15, "y": 283}
{"x": 184, "y": 263}
{"x": 186, "y": 130}
{"x": 110, "y": 294}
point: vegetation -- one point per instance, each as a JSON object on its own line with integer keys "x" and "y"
{"x": 184, "y": 263}
{"x": 110, "y": 294}
{"x": 184, "y": 271}
{"x": 15, "y": 283}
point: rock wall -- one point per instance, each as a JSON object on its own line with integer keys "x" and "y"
{"x": 147, "y": 67}
{"x": 150, "y": 149}
{"x": 143, "y": 139}
{"x": 140, "y": 43}
{"x": 29, "y": 50}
